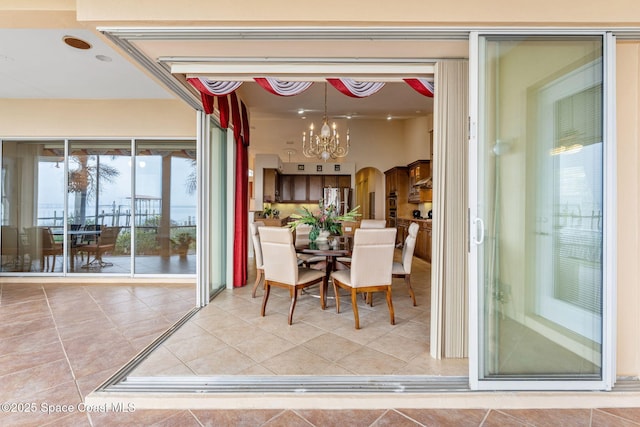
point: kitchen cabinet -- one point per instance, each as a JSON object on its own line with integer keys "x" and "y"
{"x": 421, "y": 243}
{"x": 423, "y": 238}
{"x": 271, "y": 186}
{"x": 396, "y": 180}
{"x": 316, "y": 186}
{"x": 429, "y": 241}
{"x": 403, "y": 228}
{"x": 300, "y": 190}
{"x": 286, "y": 188}
{"x": 344, "y": 181}
{"x": 418, "y": 171}
{"x": 309, "y": 188}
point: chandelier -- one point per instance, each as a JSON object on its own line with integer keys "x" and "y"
{"x": 325, "y": 145}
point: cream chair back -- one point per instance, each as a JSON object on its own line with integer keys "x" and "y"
{"x": 409, "y": 247}
{"x": 302, "y": 234}
{"x": 372, "y": 257}
{"x": 373, "y": 223}
{"x": 279, "y": 255}
{"x": 255, "y": 239}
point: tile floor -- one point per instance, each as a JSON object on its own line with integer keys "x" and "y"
{"x": 230, "y": 337}
{"x": 60, "y": 341}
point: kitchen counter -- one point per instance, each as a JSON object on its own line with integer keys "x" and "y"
{"x": 419, "y": 220}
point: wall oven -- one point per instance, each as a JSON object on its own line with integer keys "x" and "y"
{"x": 392, "y": 211}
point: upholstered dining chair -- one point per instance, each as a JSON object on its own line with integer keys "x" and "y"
{"x": 366, "y": 224}
{"x": 403, "y": 268}
{"x": 257, "y": 253}
{"x": 302, "y": 237}
{"x": 281, "y": 268}
{"x": 371, "y": 266}
{"x": 373, "y": 223}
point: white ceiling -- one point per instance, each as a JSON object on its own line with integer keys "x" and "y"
{"x": 37, "y": 64}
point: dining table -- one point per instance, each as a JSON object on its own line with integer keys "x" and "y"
{"x": 333, "y": 248}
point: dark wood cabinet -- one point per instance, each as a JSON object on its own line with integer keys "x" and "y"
{"x": 286, "y": 188}
{"x": 300, "y": 190}
{"x": 316, "y": 186}
{"x": 344, "y": 181}
{"x": 309, "y": 188}
{"x": 330, "y": 181}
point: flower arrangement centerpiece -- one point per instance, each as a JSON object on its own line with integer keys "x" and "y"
{"x": 324, "y": 222}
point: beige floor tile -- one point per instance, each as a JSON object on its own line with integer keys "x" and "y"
{"x": 398, "y": 346}
{"x": 366, "y": 361}
{"x": 227, "y": 361}
{"x": 264, "y": 345}
{"x": 331, "y": 346}
{"x": 298, "y": 361}
{"x": 194, "y": 347}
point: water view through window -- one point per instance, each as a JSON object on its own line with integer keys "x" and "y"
{"x": 110, "y": 223}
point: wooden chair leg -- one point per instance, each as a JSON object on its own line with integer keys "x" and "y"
{"x": 337, "y": 294}
{"x": 294, "y": 297}
{"x": 354, "y": 303}
{"x": 265, "y": 297}
{"x": 392, "y": 317}
{"x": 323, "y": 294}
{"x": 259, "y": 276}
{"x": 407, "y": 281}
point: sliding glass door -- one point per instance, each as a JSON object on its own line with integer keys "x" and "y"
{"x": 538, "y": 212}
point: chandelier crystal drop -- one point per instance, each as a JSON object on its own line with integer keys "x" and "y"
{"x": 325, "y": 145}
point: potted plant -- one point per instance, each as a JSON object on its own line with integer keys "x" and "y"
{"x": 325, "y": 222}
{"x": 181, "y": 243}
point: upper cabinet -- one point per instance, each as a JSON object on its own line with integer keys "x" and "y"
{"x": 271, "y": 186}
{"x": 309, "y": 188}
{"x": 419, "y": 172}
{"x": 396, "y": 181}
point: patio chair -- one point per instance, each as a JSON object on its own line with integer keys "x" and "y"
{"x": 106, "y": 242}
{"x": 41, "y": 245}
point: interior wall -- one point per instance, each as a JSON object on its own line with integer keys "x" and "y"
{"x": 462, "y": 12}
{"x": 95, "y": 118}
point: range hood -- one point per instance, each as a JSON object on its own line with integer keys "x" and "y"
{"x": 424, "y": 183}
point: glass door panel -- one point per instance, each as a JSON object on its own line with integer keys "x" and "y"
{"x": 540, "y": 208}
{"x": 217, "y": 209}
{"x": 33, "y": 206}
{"x": 165, "y": 207}
{"x": 99, "y": 201}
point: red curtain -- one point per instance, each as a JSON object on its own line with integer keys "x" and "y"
{"x": 240, "y": 234}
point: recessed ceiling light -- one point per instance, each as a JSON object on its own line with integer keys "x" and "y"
{"x": 389, "y": 117}
{"x": 104, "y": 58}
{"x": 348, "y": 117}
{"x": 76, "y": 43}
{"x": 301, "y": 111}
